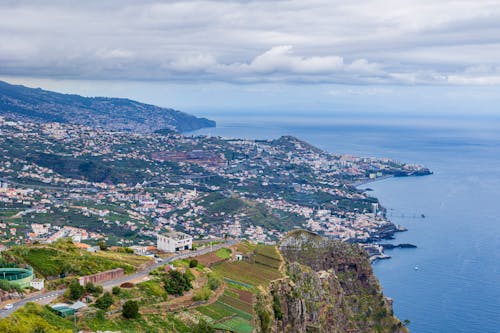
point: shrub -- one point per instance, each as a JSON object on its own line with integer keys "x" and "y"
{"x": 203, "y": 294}
{"x": 130, "y": 309}
{"x": 214, "y": 281}
{"x": 93, "y": 289}
{"x": 105, "y": 301}
{"x": 116, "y": 290}
{"x": 75, "y": 290}
{"x": 193, "y": 263}
{"x": 203, "y": 327}
{"x": 264, "y": 319}
{"x": 278, "y": 314}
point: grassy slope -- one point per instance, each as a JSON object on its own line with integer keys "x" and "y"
{"x": 52, "y": 260}
{"x": 35, "y": 318}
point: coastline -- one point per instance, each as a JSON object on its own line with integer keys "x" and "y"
{"x": 369, "y": 181}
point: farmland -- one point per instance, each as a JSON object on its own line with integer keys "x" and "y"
{"x": 234, "y": 309}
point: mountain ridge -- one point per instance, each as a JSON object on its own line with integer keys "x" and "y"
{"x": 111, "y": 113}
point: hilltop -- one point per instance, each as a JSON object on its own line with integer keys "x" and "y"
{"x": 108, "y": 113}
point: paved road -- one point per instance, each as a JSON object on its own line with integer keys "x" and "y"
{"x": 46, "y": 297}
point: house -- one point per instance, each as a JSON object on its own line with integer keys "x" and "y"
{"x": 93, "y": 249}
{"x": 174, "y": 242}
{"x": 38, "y": 284}
{"x": 140, "y": 250}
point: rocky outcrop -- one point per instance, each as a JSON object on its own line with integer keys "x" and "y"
{"x": 330, "y": 287}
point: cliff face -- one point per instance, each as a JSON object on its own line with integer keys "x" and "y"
{"x": 330, "y": 287}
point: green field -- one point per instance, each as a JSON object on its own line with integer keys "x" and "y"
{"x": 253, "y": 274}
{"x": 223, "y": 253}
{"x": 268, "y": 251}
{"x": 236, "y": 324}
{"x": 215, "y": 311}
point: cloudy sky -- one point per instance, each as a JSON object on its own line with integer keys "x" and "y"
{"x": 314, "y": 54}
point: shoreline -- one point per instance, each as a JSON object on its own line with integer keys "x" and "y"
{"x": 369, "y": 181}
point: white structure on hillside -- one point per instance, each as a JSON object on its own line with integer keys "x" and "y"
{"x": 174, "y": 242}
{"x": 38, "y": 284}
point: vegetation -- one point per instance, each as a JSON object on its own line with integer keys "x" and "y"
{"x": 251, "y": 274}
{"x": 75, "y": 291}
{"x": 223, "y": 253}
{"x": 203, "y": 327}
{"x": 63, "y": 258}
{"x": 105, "y": 301}
{"x": 116, "y": 290}
{"x": 202, "y": 294}
{"x": 92, "y": 289}
{"x": 214, "y": 281}
{"x": 176, "y": 283}
{"x": 7, "y": 286}
{"x": 35, "y": 318}
{"x": 130, "y": 309}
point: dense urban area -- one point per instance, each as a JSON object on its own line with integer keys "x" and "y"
{"x": 61, "y": 180}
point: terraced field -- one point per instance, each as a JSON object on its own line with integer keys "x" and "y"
{"x": 253, "y": 274}
{"x": 234, "y": 309}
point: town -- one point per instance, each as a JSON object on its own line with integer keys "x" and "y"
{"x": 62, "y": 180}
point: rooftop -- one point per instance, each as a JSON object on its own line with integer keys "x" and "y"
{"x": 176, "y": 235}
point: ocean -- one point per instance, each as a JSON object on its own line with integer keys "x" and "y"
{"x": 456, "y": 287}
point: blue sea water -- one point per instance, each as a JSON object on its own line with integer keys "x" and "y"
{"x": 457, "y": 285}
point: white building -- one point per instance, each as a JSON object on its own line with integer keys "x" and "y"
{"x": 38, "y": 284}
{"x": 174, "y": 242}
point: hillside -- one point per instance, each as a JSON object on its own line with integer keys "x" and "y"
{"x": 120, "y": 114}
{"x": 306, "y": 284}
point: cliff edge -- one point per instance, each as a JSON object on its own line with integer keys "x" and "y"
{"x": 329, "y": 287}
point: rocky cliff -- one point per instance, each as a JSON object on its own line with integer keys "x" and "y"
{"x": 330, "y": 287}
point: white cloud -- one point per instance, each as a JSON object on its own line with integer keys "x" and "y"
{"x": 362, "y": 42}
{"x": 190, "y": 63}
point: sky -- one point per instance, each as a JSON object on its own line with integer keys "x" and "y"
{"x": 237, "y": 56}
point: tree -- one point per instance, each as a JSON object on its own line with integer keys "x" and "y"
{"x": 105, "y": 301}
{"x": 214, "y": 281}
{"x": 75, "y": 290}
{"x": 116, "y": 290}
{"x": 193, "y": 263}
{"x": 176, "y": 283}
{"x": 103, "y": 246}
{"x": 130, "y": 309}
{"x": 93, "y": 289}
{"x": 203, "y": 327}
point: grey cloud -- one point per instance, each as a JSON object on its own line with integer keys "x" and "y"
{"x": 315, "y": 41}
